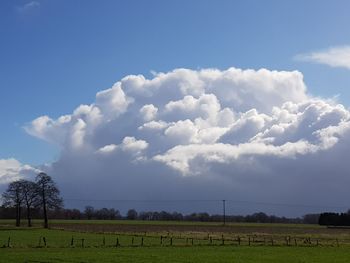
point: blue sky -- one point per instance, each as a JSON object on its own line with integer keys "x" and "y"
{"x": 55, "y": 55}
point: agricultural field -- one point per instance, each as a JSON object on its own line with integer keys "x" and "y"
{"x": 146, "y": 241}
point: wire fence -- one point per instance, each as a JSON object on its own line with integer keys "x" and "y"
{"x": 170, "y": 240}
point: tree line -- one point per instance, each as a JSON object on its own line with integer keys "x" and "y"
{"x": 335, "y": 219}
{"x": 259, "y": 217}
{"x": 41, "y": 194}
{"x": 91, "y": 213}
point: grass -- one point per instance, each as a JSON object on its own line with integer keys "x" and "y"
{"x": 179, "y": 255}
{"x": 32, "y": 238}
{"x": 27, "y": 245}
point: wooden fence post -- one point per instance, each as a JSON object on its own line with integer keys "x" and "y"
{"x": 9, "y": 242}
{"x": 239, "y": 240}
{"x": 82, "y": 242}
{"x": 117, "y": 242}
{"x": 132, "y": 241}
{"x": 72, "y": 242}
{"x": 249, "y": 241}
{"x": 171, "y": 241}
{"x": 141, "y": 241}
{"x": 104, "y": 241}
{"x": 44, "y": 239}
{"x": 222, "y": 240}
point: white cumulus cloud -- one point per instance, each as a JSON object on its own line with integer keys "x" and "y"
{"x": 196, "y": 130}
{"x": 11, "y": 170}
{"x": 149, "y": 112}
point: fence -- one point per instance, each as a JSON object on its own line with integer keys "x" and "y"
{"x": 145, "y": 240}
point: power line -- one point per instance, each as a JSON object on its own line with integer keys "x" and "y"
{"x": 144, "y": 200}
{"x": 206, "y": 201}
{"x": 288, "y": 204}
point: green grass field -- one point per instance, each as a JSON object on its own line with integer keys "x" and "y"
{"x": 27, "y": 244}
{"x": 175, "y": 254}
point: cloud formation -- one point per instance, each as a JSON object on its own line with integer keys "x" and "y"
{"x": 11, "y": 169}
{"x": 334, "y": 57}
{"x": 202, "y": 134}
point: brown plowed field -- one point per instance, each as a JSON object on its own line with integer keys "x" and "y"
{"x": 233, "y": 229}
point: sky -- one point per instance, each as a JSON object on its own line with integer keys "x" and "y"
{"x": 190, "y": 89}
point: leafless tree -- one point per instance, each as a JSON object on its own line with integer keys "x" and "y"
{"x": 89, "y": 212}
{"x": 13, "y": 197}
{"x": 30, "y": 197}
{"x": 49, "y": 195}
{"x": 131, "y": 214}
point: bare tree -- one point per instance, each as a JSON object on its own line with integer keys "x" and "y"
{"x": 89, "y": 212}
{"x": 49, "y": 195}
{"x": 131, "y": 214}
{"x": 30, "y": 197}
{"x": 13, "y": 197}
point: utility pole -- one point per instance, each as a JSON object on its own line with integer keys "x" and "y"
{"x": 224, "y": 211}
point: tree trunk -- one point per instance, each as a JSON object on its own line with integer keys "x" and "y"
{"x": 18, "y": 216}
{"x": 46, "y": 223}
{"x": 29, "y": 216}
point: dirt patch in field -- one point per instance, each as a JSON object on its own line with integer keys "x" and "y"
{"x": 205, "y": 229}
